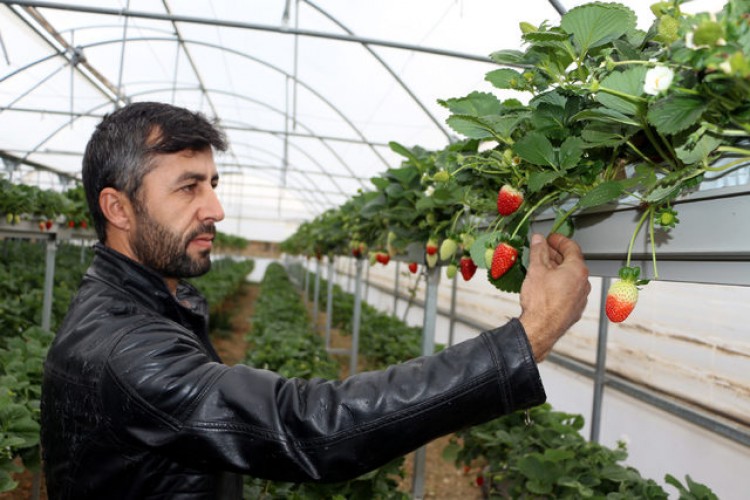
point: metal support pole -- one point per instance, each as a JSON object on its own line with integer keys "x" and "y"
{"x": 367, "y": 283}
{"x": 49, "y": 283}
{"x": 428, "y": 347}
{"x": 600, "y": 369}
{"x": 395, "y": 289}
{"x": 356, "y": 318}
{"x": 452, "y": 327}
{"x": 329, "y": 303}
{"x": 349, "y": 277}
{"x": 305, "y": 281}
{"x": 316, "y": 302}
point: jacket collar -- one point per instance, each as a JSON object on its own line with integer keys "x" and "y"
{"x": 147, "y": 286}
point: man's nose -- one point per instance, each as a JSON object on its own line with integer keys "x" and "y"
{"x": 212, "y": 208}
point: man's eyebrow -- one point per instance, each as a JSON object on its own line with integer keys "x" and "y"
{"x": 195, "y": 176}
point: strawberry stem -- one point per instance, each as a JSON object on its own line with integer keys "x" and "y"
{"x": 562, "y": 219}
{"x": 635, "y": 233}
{"x": 653, "y": 242}
{"x": 531, "y": 210}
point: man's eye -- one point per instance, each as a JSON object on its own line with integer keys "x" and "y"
{"x": 189, "y": 188}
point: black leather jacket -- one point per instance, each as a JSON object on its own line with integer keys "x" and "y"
{"x": 136, "y": 403}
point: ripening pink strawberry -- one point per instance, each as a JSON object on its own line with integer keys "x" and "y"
{"x": 621, "y": 299}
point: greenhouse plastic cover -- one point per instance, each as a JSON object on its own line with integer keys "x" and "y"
{"x": 309, "y": 93}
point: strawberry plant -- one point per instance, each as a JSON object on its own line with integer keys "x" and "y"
{"x": 610, "y": 114}
{"x": 543, "y": 455}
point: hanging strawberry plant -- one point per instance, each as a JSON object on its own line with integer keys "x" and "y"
{"x": 611, "y": 114}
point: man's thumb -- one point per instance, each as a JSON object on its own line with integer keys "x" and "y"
{"x": 539, "y": 251}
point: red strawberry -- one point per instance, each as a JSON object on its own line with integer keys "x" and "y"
{"x": 508, "y": 200}
{"x": 48, "y": 224}
{"x": 383, "y": 258}
{"x": 41, "y": 225}
{"x": 480, "y": 481}
{"x": 84, "y": 224}
{"x": 71, "y": 224}
{"x": 431, "y": 248}
{"x": 503, "y": 259}
{"x": 468, "y": 268}
{"x": 413, "y": 267}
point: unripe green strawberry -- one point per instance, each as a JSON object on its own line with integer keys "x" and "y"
{"x": 621, "y": 299}
{"x": 488, "y": 257}
{"x": 467, "y": 240}
{"x": 432, "y": 246}
{"x": 451, "y": 270}
{"x": 441, "y": 176}
{"x": 508, "y": 200}
{"x": 503, "y": 259}
{"x": 431, "y": 260}
{"x": 448, "y": 249}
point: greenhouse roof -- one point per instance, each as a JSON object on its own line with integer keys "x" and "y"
{"x": 309, "y": 93}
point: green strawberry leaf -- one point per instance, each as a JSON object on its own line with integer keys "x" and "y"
{"x": 628, "y": 82}
{"x": 699, "y": 151}
{"x": 601, "y": 194}
{"x": 596, "y": 24}
{"x": 505, "y": 78}
{"x": 535, "y": 148}
{"x": 571, "y": 151}
{"x": 474, "y": 104}
{"x": 478, "y": 248}
{"x": 511, "y": 57}
{"x": 676, "y": 113}
{"x": 537, "y": 180}
{"x": 511, "y": 281}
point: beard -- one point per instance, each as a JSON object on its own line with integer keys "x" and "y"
{"x": 157, "y": 247}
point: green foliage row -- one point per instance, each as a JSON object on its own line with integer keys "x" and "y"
{"x": 543, "y": 455}
{"x": 224, "y": 279}
{"x": 230, "y": 242}
{"x": 23, "y": 344}
{"x": 21, "y": 201}
{"x": 283, "y": 341}
{"x": 383, "y": 338}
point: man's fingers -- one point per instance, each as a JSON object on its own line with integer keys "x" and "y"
{"x": 566, "y": 247}
{"x": 539, "y": 251}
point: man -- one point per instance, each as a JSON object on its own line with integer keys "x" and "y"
{"x": 136, "y": 403}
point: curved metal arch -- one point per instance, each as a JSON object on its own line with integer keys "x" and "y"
{"x": 240, "y": 54}
{"x": 387, "y": 68}
{"x": 301, "y": 171}
{"x": 276, "y": 110}
{"x": 258, "y": 61}
{"x": 220, "y": 91}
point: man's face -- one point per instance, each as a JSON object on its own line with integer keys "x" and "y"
{"x": 175, "y": 214}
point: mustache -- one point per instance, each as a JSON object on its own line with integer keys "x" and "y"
{"x": 206, "y": 228}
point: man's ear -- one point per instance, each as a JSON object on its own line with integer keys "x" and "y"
{"x": 116, "y": 208}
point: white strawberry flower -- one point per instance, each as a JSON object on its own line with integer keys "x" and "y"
{"x": 658, "y": 79}
{"x": 429, "y": 190}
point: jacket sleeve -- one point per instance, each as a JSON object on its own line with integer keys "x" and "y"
{"x": 164, "y": 393}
